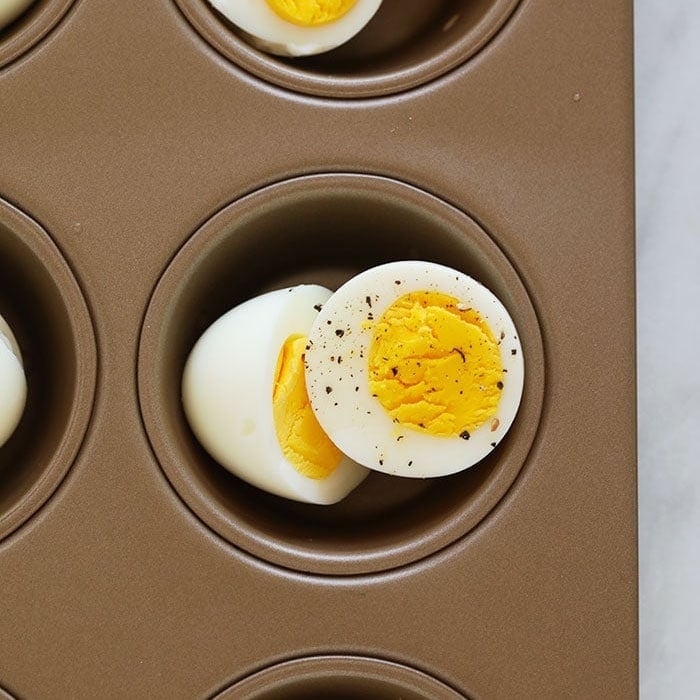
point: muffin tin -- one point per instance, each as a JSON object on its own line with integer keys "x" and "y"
{"x": 156, "y": 170}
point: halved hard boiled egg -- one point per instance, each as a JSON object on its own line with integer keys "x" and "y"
{"x": 298, "y": 27}
{"x": 10, "y": 10}
{"x": 13, "y": 384}
{"x": 414, "y": 369}
{"x": 244, "y": 395}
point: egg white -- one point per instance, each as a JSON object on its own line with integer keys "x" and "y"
{"x": 340, "y": 393}
{"x": 270, "y": 32}
{"x": 13, "y": 383}
{"x": 11, "y": 9}
{"x": 227, "y": 391}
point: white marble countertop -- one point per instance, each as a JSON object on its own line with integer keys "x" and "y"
{"x": 667, "y": 62}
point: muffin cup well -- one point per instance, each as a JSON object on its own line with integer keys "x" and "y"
{"x": 403, "y": 46}
{"x": 324, "y": 229}
{"x": 347, "y": 677}
{"x": 41, "y": 301}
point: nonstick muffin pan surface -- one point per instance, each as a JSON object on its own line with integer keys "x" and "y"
{"x": 156, "y": 170}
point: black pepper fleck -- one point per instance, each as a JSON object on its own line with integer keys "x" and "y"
{"x": 394, "y": 370}
{"x": 410, "y": 464}
{"x": 464, "y": 435}
{"x": 514, "y": 352}
{"x": 318, "y": 307}
{"x": 381, "y": 462}
{"x": 340, "y": 333}
{"x": 328, "y": 389}
{"x": 493, "y": 444}
{"x": 369, "y": 301}
{"x": 499, "y": 385}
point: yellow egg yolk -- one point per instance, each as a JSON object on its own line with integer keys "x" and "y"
{"x": 435, "y": 366}
{"x": 300, "y": 436}
{"x": 311, "y": 13}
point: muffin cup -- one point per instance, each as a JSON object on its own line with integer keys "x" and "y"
{"x": 324, "y": 229}
{"x": 346, "y": 677}
{"x": 403, "y": 46}
{"x": 41, "y": 301}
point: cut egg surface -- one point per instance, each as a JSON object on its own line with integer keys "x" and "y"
{"x": 13, "y": 384}
{"x": 244, "y": 395}
{"x": 414, "y": 369}
{"x": 298, "y": 27}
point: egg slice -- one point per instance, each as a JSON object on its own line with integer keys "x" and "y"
{"x": 11, "y": 9}
{"x": 13, "y": 384}
{"x": 244, "y": 395}
{"x": 298, "y": 27}
{"x": 414, "y": 369}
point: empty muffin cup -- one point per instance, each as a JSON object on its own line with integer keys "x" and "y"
{"x": 323, "y": 229}
{"x": 404, "y": 45}
{"x": 346, "y": 677}
{"x": 42, "y": 303}
{"x": 26, "y": 23}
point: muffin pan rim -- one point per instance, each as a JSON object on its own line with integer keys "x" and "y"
{"x": 19, "y": 43}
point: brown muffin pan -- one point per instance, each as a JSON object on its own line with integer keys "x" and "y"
{"x": 156, "y": 170}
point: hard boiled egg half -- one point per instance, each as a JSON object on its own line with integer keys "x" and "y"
{"x": 244, "y": 395}
{"x": 13, "y": 384}
{"x": 414, "y": 369}
{"x": 298, "y": 27}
